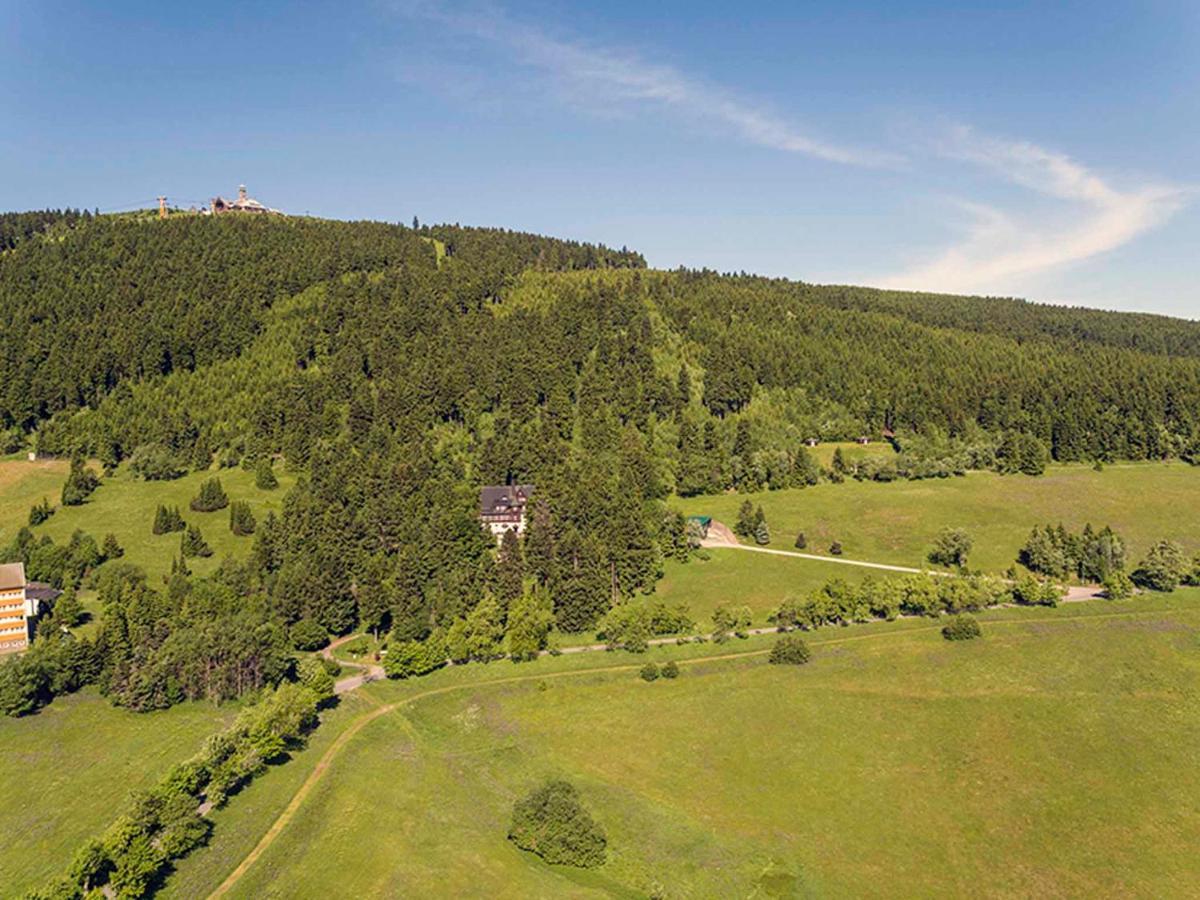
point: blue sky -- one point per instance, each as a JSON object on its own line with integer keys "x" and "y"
{"x": 1045, "y": 150}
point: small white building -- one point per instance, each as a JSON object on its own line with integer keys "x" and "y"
{"x": 502, "y": 507}
{"x": 17, "y": 609}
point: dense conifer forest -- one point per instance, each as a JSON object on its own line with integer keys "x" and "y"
{"x": 398, "y": 369}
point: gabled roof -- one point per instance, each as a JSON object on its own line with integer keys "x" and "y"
{"x": 12, "y": 575}
{"x": 500, "y": 498}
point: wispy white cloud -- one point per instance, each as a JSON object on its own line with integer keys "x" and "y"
{"x": 599, "y": 79}
{"x": 1000, "y": 247}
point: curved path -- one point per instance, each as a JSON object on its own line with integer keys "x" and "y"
{"x": 367, "y": 673}
{"x": 319, "y": 771}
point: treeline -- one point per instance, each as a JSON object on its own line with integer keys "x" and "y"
{"x": 16, "y": 227}
{"x": 164, "y": 824}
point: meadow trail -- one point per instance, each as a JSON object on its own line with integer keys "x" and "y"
{"x": 324, "y": 764}
{"x": 367, "y": 673}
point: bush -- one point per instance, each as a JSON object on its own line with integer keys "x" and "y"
{"x": 790, "y": 650}
{"x": 40, "y": 512}
{"x": 1163, "y": 569}
{"x": 649, "y": 672}
{"x": 836, "y": 548}
{"x": 670, "y": 670}
{"x": 762, "y": 534}
{"x": 552, "y": 823}
{"x": 408, "y": 659}
{"x": 1117, "y": 586}
{"x": 211, "y": 497}
{"x": 962, "y": 628}
{"x": 801, "y": 541}
{"x": 264, "y": 476}
{"x": 314, "y": 676}
{"x": 308, "y": 635}
{"x": 154, "y": 462}
{"x": 951, "y": 548}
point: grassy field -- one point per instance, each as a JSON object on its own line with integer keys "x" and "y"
{"x": 66, "y": 772}
{"x": 851, "y": 451}
{"x": 125, "y": 506}
{"x": 897, "y": 522}
{"x": 1056, "y": 757}
{"x": 736, "y": 578}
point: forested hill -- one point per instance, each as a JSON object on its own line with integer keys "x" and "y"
{"x": 396, "y": 370}
{"x": 1021, "y": 319}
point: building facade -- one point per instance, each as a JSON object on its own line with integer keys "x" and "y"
{"x": 16, "y": 608}
{"x": 502, "y": 507}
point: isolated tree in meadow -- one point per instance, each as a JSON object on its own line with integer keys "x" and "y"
{"x": 192, "y": 544}
{"x": 961, "y": 628}
{"x": 670, "y": 669}
{"x": 801, "y": 541}
{"x": 790, "y": 650}
{"x": 211, "y": 497}
{"x": 838, "y": 465}
{"x": 241, "y": 519}
{"x": 167, "y": 520}
{"x": 553, "y": 823}
{"x": 951, "y": 548}
{"x": 40, "y": 512}
{"x": 836, "y": 548}
{"x": 649, "y": 672}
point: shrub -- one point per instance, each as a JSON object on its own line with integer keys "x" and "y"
{"x": 408, "y": 659}
{"x": 553, "y": 823}
{"x": 836, "y": 548}
{"x": 241, "y": 520}
{"x": 308, "y": 635}
{"x": 790, "y": 650}
{"x": 801, "y": 541}
{"x": 1163, "y": 569}
{"x": 649, "y": 672}
{"x": 264, "y": 476}
{"x": 951, "y": 548}
{"x": 314, "y": 676}
{"x": 1117, "y": 586}
{"x": 670, "y": 670}
{"x": 154, "y": 462}
{"x": 40, "y": 512}
{"x": 211, "y": 497}
{"x": 962, "y": 628}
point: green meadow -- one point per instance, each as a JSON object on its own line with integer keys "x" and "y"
{"x": 897, "y": 522}
{"x": 1054, "y": 757}
{"x": 125, "y": 506}
{"x": 67, "y": 772}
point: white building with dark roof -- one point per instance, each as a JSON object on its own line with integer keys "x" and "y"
{"x": 502, "y": 507}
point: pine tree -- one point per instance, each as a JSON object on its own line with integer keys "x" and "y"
{"x": 111, "y": 549}
{"x": 745, "y": 520}
{"x": 510, "y": 569}
{"x": 264, "y": 475}
{"x": 241, "y": 519}
{"x": 192, "y": 544}
{"x": 211, "y": 497}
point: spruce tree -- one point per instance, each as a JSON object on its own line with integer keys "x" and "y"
{"x": 264, "y": 475}
{"x": 211, "y": 497}
{"x": 241, "y": 519}
{"x": 510, "y": 569}
{"x": 192, "y": 544}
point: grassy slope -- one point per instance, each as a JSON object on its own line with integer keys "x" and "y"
{"x": 125, "y": 506}
{"x": 1055, "y": 757}
{"x": 22, "y": 484}
{"x": 897, "y": 522}
{"x": 65, "y": 773}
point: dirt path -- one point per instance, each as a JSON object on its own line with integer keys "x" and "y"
{"x": 367, "y": 672}
{"x": 719, "y": 536}
{"x": 323, "y": 765}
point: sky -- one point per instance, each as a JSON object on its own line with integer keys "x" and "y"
{"x": 1042, "y": 150}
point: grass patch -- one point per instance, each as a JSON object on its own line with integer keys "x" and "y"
{"x": 893, "y": 758}
{"x": 66, "y": 772}
{"x": 897, "y": 522}
{"x": 125, "y": 506}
